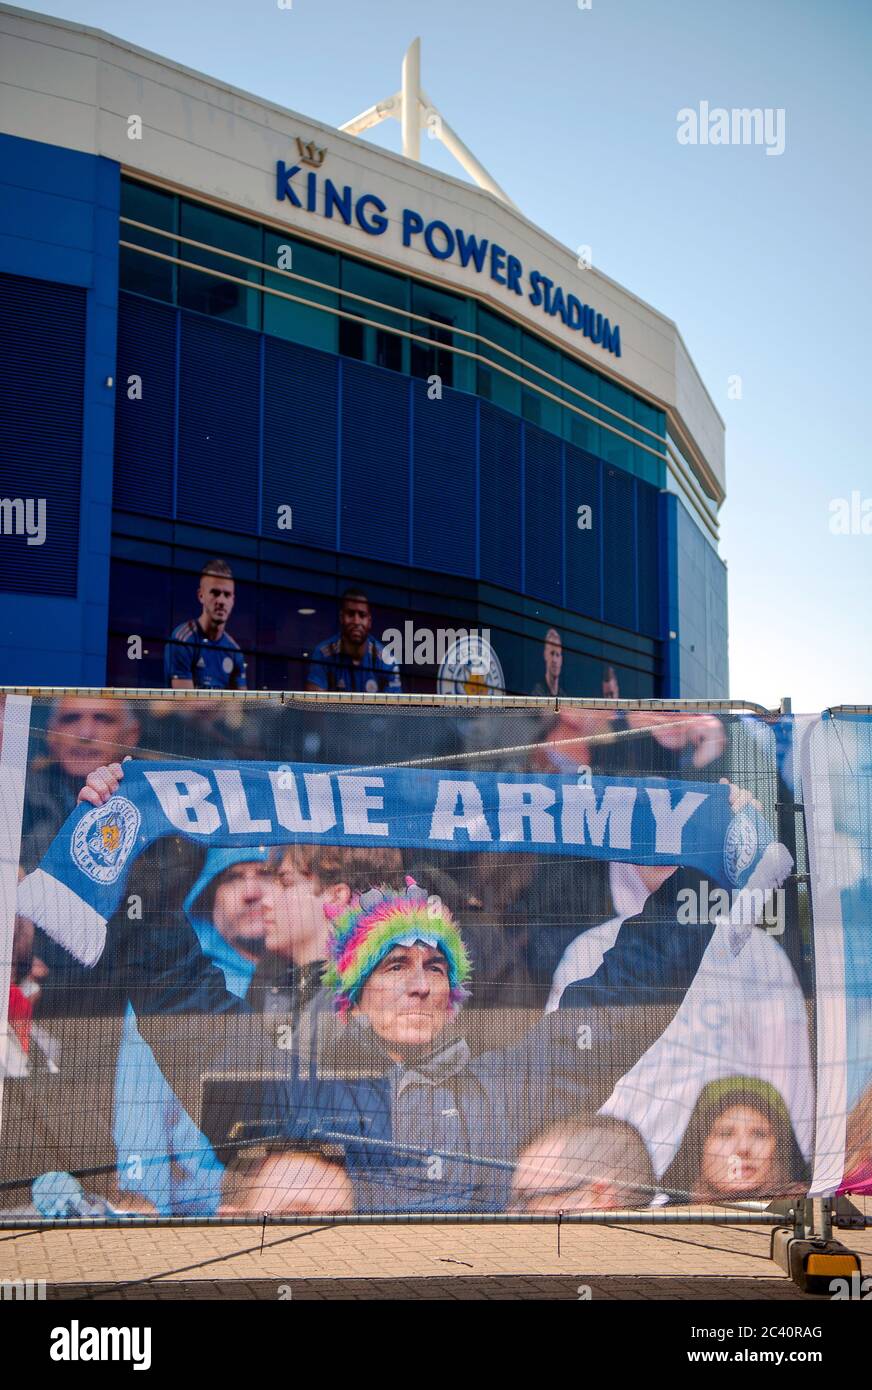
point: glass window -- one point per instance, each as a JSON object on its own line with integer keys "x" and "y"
{"x": 650, "y": 468}
{"x": 586, "y": 435}
{"x": 574, "y": 427}
{"x": 364, "y": 341}
{"x": 616, "y": 399}
{"x": 352, "y": 342}
{"x": 495, "y": 386}
{"x": 220, "y": 298}
{"x": 649, "y": 416}
{"x": 143, "y": 596}
{"x": 547, "y": 413}
{"x": 283, "y": 317}
{"x": 616, "y": 450}
{"x": 582, "y": 378}
{"x": 448, "y": 311}
{"x": 146, "y": 274}
{"x": 531, "y": 406}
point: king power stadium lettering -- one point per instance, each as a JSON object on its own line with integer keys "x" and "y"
{"x": 444, "y": 243}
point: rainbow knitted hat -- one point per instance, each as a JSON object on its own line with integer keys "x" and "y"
{"x": 372, "y": 924}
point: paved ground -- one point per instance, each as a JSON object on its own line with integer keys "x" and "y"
{"x": 407, "y": 1261}
{"x": 493, "y": 1287}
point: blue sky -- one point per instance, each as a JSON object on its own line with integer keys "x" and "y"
{"x": 762, "y": 261}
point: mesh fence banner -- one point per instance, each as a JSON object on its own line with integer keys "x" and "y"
{"x": 289, "y": 955}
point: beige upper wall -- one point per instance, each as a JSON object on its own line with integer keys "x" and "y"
{"x": 76, "y": 87}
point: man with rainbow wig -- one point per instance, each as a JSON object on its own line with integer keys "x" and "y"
{"x": 416, "y": 1121}
{"x": 407, "y": 935}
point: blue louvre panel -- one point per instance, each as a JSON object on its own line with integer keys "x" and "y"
{"x": 619, "y": 551}
{"x": 647, "y": 550}
{"x": 219, "y": 410}
{"x": 42, "y": 348}
{"x": 543, "y": 515}
{"x": 145, "y": 428}
{"x": 299, "y": 442}
{"x": 500, "y": 496}
{"x": 444, "y": 481}
{"x": 583, "y": 482}
{"x": 375, "y": 462}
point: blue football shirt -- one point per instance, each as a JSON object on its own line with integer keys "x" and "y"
{"x": 211, "y": 665}
{"x": 332, "y": 669}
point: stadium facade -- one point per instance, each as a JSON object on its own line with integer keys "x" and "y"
{"x": 229, "y": 330}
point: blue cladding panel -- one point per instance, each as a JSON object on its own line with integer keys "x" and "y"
{"x": 444, "y": 481}
{"x": 500, "y": 496}
{"x": 619, "y": 556}
{"x": 716, "y": 589}
{"x": 42, "y": 351}
{"x": 299, "y": 442}
{"x": 543, "y": 515}
{"x": 145, "y": 429}
{"x": 669, "y": 620}
{"x": 219, "y": 388}
{"x": 375, "y": 463}
{"x": 583, "y": 483}
{"x": 702, "y": 611}
{"x": 648, "y": 558}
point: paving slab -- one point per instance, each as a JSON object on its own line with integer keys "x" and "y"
{"x": 457, "y": 1256}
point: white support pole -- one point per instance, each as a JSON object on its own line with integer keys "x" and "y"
{"x": 373, "y": 115}
{"x": 466, "y": 159}
{"x": 408, "y": 106}
{"x": 410, "y": 114}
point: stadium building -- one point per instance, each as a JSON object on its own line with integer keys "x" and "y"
{"x": 231, "y": 331}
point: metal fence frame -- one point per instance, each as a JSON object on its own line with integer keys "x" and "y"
{"x": 779, "y": 1213}
{"x": 287, "y": 697}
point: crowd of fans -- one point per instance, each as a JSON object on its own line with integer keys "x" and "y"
{"x": 439, "y": 1064}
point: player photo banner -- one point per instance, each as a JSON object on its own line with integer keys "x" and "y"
{"x": 262, "y": 955}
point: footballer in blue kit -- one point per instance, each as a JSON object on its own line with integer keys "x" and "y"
{"x": 352, "y": 660}
{"x": 201, "y": 654}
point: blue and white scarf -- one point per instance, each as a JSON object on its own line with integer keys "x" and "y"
{"x": 80, "y": 883}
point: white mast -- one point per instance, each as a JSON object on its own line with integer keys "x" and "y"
{"x": 413, "y": 108}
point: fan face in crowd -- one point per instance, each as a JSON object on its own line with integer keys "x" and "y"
{"x": 311, "y": 883}
{"x": 739, "y": 1152}
{"x": 584, "y": 1165}
{"x": 84, "y": 734}
{"x": 243, "y": 907}
{"x": 297, "y": 928}
{"x": 407, "y": 998}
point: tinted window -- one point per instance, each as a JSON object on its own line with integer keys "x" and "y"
{"x": 209, "y": 295}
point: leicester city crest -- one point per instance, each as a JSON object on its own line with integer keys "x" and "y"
{"x": 740, "y": 846}
{"x": 103, "y": 839}
{"x": 471, "y": 667}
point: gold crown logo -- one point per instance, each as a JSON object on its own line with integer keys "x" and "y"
{"x": 309, "y": 154}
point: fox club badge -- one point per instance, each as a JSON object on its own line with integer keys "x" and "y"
{"x": 103, "y": 839}
{"x": 471, "y": 667}
{"x": 740, "y": 846}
